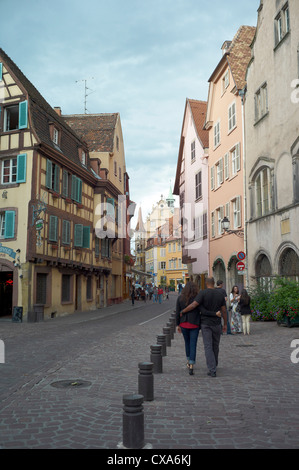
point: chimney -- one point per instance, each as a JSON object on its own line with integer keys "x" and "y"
{"x": 225, "y": 47}
{"x": 58, "y": 110}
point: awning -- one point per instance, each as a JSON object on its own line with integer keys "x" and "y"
{"x": 141, "y": 272}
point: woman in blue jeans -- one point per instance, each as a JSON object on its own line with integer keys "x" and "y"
{"x": 189, "y": 323}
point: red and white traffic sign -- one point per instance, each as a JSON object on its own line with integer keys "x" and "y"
{"x": 241, "y": 266}
{"x": 241, "y": 256}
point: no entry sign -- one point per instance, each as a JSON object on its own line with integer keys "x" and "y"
{"x": 241, "y": 266}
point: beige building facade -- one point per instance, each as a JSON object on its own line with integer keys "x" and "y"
{"x": 272, "y": 143}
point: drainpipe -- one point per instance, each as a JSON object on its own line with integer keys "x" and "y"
{"x": 242, "y": 95}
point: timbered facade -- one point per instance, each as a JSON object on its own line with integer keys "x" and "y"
{"x": 51, "y": 258}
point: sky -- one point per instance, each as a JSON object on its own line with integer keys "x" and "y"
{"x": 140, "y": 58}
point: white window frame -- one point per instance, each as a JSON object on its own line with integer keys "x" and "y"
{"x": 220, "y": 215}
{"x": 236, "y": 159}
{"x": 193, "y": 151}
{"x": 219, "y": 172}
{"x": 226, "y": 166}
{"x": 261, "y": 102}
{"x": 213, "y": 224}
{"x": 237, "y": 212}
{"x": 12, "y": 175}
{"x": 217, "y": 134}
{"x": 2, "y": 225}
{"x": 232, "y": 117}
{"x": 55, "y": 135}
{"x": 262, "y": 196}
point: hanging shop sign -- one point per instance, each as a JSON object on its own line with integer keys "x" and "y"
{"x": 7, "y": 251}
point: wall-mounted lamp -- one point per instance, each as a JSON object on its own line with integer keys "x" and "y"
{"x": 4, "y": 194}
{"x": 225, "y": 228}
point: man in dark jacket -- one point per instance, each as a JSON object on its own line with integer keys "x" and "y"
{"x": 210, "y": 299}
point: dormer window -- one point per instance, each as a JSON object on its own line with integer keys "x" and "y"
{"x": 56, "y": 136}
{"x": 83, "y": 158}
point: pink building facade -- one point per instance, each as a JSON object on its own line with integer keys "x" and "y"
{"x": 225, "y": 124}
{"x": 192, "y": 186}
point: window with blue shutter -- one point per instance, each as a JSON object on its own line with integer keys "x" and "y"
{"x": 23, "y": 115}
{"x": 76, "y": 193}
{"x": 86, "y": 237}
{"x": 49, "y": 174}
{"x": 65, "y": 183}
{"x": 9, "y": 224}
{"x": 53, "y": 228}
{"x": 21, "y": 168}
{"x": 56, "y": 179}
{"x": 66, "y": 232}
{"x": 78, "y": 235}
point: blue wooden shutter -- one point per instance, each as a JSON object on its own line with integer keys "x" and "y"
{"x": 49, "y": 174}
{"x": 1, "y": 71}
{"x": 86, "y": 237}
{"x": 66, "y": 230}
{"x": 74, "y": 186}
{"x": 56, "y": 178}
{"x": 53, "y": 225}
{"x": 65, "y": 185}
{"x": 79, "y": 190}
{"x": 23, "y": 115}
{"x": 78, "y": 237}
{"x": 21, "y": 168}
{"x": 9, "y": 231}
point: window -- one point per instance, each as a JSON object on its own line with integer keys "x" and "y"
{"x": 217, "y": 134}
{"x": 97, "y": 247}
{"x": 41, "y": 288}
{"x": 81, "y": 236}
{"x": 65, "y": 183}
{"x": 15, "y": 117}
{"x": 76, "y": 191}
{"x": 236, "y": 159}
{"x": 66, "y": 288}
{"x": 213, "y": 224}
{"x": 53, "y": 228}
{"x": 163, "y": 265}
{"x": 198, "y": 185}
{"x": 55, "y": 136}
{"x": 52, "y": 176}
{"x": 13, "y": 170}
{"x": 7, "y": 224}
{"x": 89, "y": 288}
{"x": 232, "y": 120}
{"x": 193, "y": 155}
{"x": 263, "y": 192}
{"x": 66, "y": 232}
{"x": 220, "y": 215}
{"x": 119, "y": 174}
{"x": 115, "y": 168}
{"x": 212, "y": 178}
{"x": 237, "y": 212}
{"x": 83, "y": 158}
{"x": 282, "y": 24}
{"x": 219, "y": 172}
{"x": 261, "y": 102}
{"x": 226, "y": 166}
{"x": 117, "y": 143}
{"x": 105, "y": 251}
{"x": 225, "y": 81}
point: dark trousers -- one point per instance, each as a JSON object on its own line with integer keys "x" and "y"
{"x": 211, "y": 339}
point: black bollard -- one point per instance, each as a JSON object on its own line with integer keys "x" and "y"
{"x": 133, "y": 422}
{"x": 170, "y": 325}
{"x": 156, "y": 358}
{"x": 166, "y": 332}
{"x": 146, "y": 380}
{"x": 161, "y": 339}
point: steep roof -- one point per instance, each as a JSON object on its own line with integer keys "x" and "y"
{"x": 239, "y": 54}
{"x": 97, "y": 130}
{"x": 42, "y": 114}
{"x": 199, "y": 109}
{"x": 140, "y": 226}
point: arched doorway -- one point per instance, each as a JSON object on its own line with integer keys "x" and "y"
{"x": 234, "y": 278}
{"x": 289, "y": 264}
{"x": 219, "y": 272}
{"x": 263, "y": 270}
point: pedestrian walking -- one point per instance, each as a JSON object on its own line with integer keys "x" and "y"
{"x": 236, "y": 320}
{"x": 189, "y": 323}
{"x": 245, "y": 311}
{"x": 212, "y": 307}
{"x": 160, "y": 294}
{"x": 155, "y": 294}
{"x": 133, "y": 295}
{"x": 221, "y": 288}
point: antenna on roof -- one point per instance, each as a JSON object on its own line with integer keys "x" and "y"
{"x": 85, "y": 92}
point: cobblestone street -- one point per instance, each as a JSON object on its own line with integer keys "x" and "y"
{"x": 252, "y": 403}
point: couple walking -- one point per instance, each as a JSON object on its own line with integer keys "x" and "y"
{"x": 203, "y": 310}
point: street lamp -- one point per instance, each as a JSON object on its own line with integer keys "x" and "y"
{"x": 225, "y": 228}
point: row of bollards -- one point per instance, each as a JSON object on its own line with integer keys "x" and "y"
{"x": 133, "y": 415}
